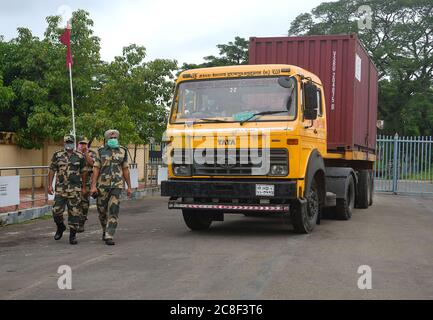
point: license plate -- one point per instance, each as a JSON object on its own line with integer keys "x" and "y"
{"x": 265, "y": 190}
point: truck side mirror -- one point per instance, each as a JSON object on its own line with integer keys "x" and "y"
{"x": 311, "y": 102}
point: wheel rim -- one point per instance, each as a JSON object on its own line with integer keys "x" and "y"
{"x": 313, "y": 203}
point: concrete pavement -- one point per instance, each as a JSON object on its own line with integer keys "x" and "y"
{"x": 157, "y": 257}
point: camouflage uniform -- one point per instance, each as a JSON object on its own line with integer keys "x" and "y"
{"x": 85, "y": 198}
{"x": 68, "y": 186}
{"x": 110, "y": 184}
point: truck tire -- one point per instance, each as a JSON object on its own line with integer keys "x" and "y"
{"x": 363, "y": 190}
{"x": 304, "y": 221}
{"x": 196, "y": 219}
{"x": 370, "y": 201}
{"x": 345, "y": 206}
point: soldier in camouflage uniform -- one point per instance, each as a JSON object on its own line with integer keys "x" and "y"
{"x": 70, "y": 168}
{"x": 110, "y": 170}
{"x": 90, "y": 157}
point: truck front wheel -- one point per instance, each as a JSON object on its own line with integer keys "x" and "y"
{"x": 197, "y": 219}
{"x": 304, "y": 219}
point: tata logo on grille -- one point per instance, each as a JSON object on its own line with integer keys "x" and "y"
{"x": 227, "y": 142}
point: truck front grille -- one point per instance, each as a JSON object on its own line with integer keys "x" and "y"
{"x": 239, "y": 162}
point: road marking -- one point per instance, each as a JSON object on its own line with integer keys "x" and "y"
{"x": 13, "y": 233}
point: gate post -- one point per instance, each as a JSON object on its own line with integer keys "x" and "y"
{"x": 395, "y": 165}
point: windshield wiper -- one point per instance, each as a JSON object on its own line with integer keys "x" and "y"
{"x": 214, "y": 120}
{"x": 263, "y": 113}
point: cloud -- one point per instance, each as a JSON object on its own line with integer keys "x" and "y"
{"x": 190, "y": 29}
{"x": 185, "y": 30}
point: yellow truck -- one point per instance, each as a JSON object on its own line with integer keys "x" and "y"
{"x": 252, "y": 139}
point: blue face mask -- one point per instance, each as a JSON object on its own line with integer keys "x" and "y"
{"x": 69, "y": 146}
{"x": 113, "y": 143}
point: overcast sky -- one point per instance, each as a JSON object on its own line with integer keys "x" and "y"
{"x": 185, "y": 30}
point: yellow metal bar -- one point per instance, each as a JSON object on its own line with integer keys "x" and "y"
{"x": 352, "y": 155}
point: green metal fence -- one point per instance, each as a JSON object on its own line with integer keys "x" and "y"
{"x": 404, "y": 165}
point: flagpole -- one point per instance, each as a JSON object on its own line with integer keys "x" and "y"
{"x": 72, "y": 102}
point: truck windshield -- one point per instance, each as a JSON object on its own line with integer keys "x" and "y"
{"x": 233, "y": 100}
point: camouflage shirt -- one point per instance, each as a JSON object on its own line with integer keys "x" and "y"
{"x": 69, "y": 170}
{"x": 89, "y": 168}
{"x": 110, "y": 163}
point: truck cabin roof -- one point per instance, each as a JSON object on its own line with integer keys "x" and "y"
{"x": 245, "y": 71}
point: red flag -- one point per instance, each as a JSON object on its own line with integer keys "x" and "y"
{"x": 65, "y": 38}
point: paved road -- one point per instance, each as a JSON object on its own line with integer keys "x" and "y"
{"x": 156, "y": 257}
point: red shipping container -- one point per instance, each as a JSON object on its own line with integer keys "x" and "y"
{"x": 349, "y": 79}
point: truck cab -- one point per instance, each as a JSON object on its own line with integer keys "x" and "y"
{"x": 253, "y": 139}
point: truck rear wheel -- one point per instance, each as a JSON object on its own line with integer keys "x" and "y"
{"x": 196, "y": 219}
{"x": 304, "y": 220}
{"x": 345, "y": 206}
{"x": 370, "y": 201}
{"x": 363, "y": 190}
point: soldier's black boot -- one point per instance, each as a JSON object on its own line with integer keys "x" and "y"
{"x": 80, "y": 228}
{"x": 59, "y": 233}
{"x": 73, "y": 236}
{"x": 109, "y": 242}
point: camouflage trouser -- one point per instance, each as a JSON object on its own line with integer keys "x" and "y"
{"x": 85, "y": 203}
{"x": 73, "y": 202}
{"x": 108, "y": 207}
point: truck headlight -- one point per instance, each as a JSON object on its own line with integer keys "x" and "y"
{"x": 278, "y": 170}
{"x": 181, "y": 170}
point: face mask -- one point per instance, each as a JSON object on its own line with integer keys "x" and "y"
{"x": 69, "y": 146}
{"x": 113, "y": 143}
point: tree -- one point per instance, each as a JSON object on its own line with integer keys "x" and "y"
{"x": 233, "y": 53}
{"x": 401, "y": 45}
{"x": 6, "y": 96}
{"x": 35, "y": 70}
{"x": 23, "y": 70}
{"x": 141, "y": 88}
{"x": 6, "y": 92}
{"x": 127, "y": 94}
{"x": 86, "y": 69}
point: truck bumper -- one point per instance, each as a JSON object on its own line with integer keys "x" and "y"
{"x": 174, "y": 204}
{"x": 219, "y": 189}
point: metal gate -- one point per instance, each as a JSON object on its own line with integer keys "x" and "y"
{"x": 404, "y": 164}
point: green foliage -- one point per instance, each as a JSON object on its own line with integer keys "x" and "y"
{"x": 233, "y": 53}
{"x": 139, "y": 88}
{"x": 401, "y": 45}
{"x": 6, "y": 95}
{"x": 127, "y": 94}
